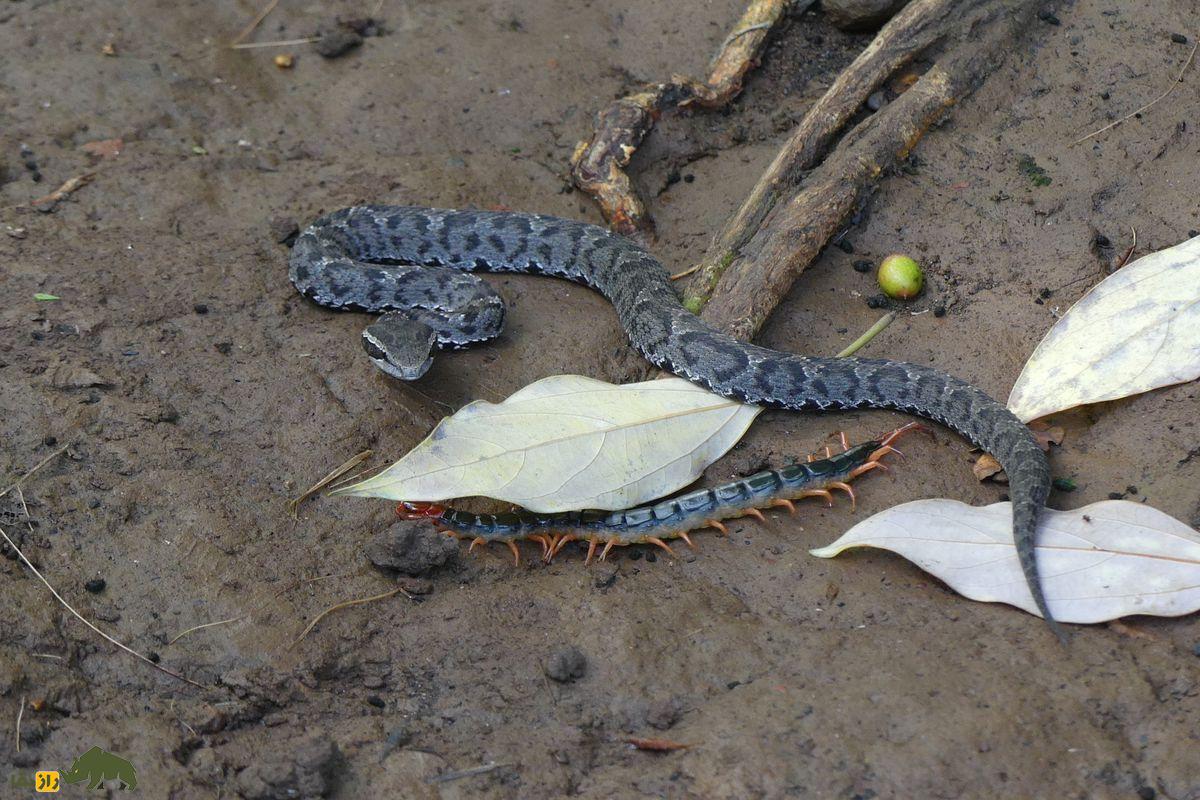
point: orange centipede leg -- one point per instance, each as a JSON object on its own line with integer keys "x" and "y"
{"x": 591, "y": 552}
{"x": 867, "y": 467}
{"x": 716, "y": 523}
{"x": 883, "y": 451}
{"x": 607, "y": 547}
{"x": 844, "y": 441}
{"x": 516, "y": 553}
{"x": 845, "y": 487}
{"x": 561, "y": 542}
{"x": 657, "y": 542}
{"x": 828, "y": 497}
{"x": 683, "y": 535}
{"x": 448, "y": 532}
{"x": 828, "y": 451}
{"x": 475, "y": 541}
{"x": 543, "y": 541}
{"x": 780, "y": 502}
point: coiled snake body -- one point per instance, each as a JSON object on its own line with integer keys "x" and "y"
{"x": 413, "y": 262}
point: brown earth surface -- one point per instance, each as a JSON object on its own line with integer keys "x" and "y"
{"x": 196, "y": 393}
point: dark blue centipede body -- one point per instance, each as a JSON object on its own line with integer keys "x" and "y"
{"x": 668, "y": 518}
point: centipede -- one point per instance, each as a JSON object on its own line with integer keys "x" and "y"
{"x": 671, "y": 519}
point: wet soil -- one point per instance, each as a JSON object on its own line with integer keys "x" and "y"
{"x": 196, "y": 393}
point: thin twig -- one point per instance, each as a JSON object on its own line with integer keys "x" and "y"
{"x": 280, "y": 43}
{"x": 69, "y": 186}
{"x": 20, "y": 713}
{"x": 36, "y": 467}
{"x": 1132, "y": 114}
{"x": 685, "y": 273}
{"x": 81, "y": 618}
{"x": 254, "y": 23}
{"x": 347, "y": 604}
{"x": 459, "y": 774}
{"x": 181, "y": 634}
{"x": 870, "y": 334}
{"x": 337, "y": 472}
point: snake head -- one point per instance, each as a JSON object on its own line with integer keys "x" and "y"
{"x": 400, "y": 346}
{"x": 407, "y": 510}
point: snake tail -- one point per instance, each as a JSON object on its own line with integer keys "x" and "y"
{"x": 670, "y": 519}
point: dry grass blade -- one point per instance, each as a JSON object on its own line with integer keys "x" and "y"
{"x": 183, "y": 633}
{"x": 280, "y": 43}
{"x": 85, "y": 621}
{"x": 337, "y": 472}
{"x": 348, "y": 604}
{"x": 20, "y": 713}
{"x": 1132, "y": 114}
{"x": 16, "y": 484}
{"x": 655, "y": 745}
{"x": 254, "y": 23}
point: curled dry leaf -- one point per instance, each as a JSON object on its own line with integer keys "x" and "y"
{"x": 986, "y": 466}
{"x": 1137, "y": 330}
{"x": 569, "y": 442}
{"x": 1100, "y": 562}
{"x": 104, "y": 148}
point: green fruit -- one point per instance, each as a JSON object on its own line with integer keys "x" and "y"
{"x": 900, "y": 277}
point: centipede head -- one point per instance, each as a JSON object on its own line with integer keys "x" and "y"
{"x": 407, "y": 510}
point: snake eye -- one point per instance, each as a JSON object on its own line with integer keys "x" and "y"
{"x": 372, "y": 347}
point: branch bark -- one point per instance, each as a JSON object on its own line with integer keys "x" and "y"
{"x": 792, "y": 232}
{"x": 598, "y": 164}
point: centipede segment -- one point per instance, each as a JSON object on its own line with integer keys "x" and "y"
{"x": 670, "y": 519}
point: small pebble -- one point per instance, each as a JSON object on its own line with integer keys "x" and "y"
{"x": 689, "y": 178}
{"x": 1131, "y": 489}
{"x": 376, "y": 700}
{"x": 845, "y": 246}
{"x": 1048, "y": 17}
{"x": 1196, "y": 650}
{"x": 1102, "y": 241}
{"x": 939, "y": 310}
{"x": 1178, "y": 38}
{"x": 284, "y": 60}
{"x": 1146, "y": 793}
{"x": 95, "y": 585}
{"x": 877, "y": 301}
{"x": 200, "y": 308}
{"x": 50, "y": 441}
{"x": 1115, "y": 496}
{"x": 1193, "y": 232}
{"x": 1064, "y": 484}
{"x": 94, "y": 503}
{"x": 862, "y": 265}
{"x": 876, "y": 101}
{"x": 567, "y": 664}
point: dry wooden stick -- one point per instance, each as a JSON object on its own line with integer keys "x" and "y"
{"x": 918, "y": 26}
{"x": 597, "y": 165}
{"x": 795, "y": 230}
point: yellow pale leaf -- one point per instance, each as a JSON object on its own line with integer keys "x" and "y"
{"x": 569, "y": 442}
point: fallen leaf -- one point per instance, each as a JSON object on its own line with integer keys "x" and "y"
{"x": 104, "y": 148}
{"x": 655, "y": 745}
{"x": 569, "y": 442}
{"x": 69, "y": 186}
{"x": 1137, "y": 330}
{"x": 1097, "y": 563}
{"x": 1046, "y": 435}
{"x": 43, "y": 297}
{"x": 986, "y": 466}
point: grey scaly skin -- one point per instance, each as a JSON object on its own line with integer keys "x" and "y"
{"x": 384, "y": 258}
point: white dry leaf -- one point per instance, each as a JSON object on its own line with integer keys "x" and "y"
{"x": 1137, "y": 330}
{"x": 1097, "y": 563}
{"x": 570, "y": 442}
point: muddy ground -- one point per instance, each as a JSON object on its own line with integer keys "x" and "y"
{"x": 196, "y": 393}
